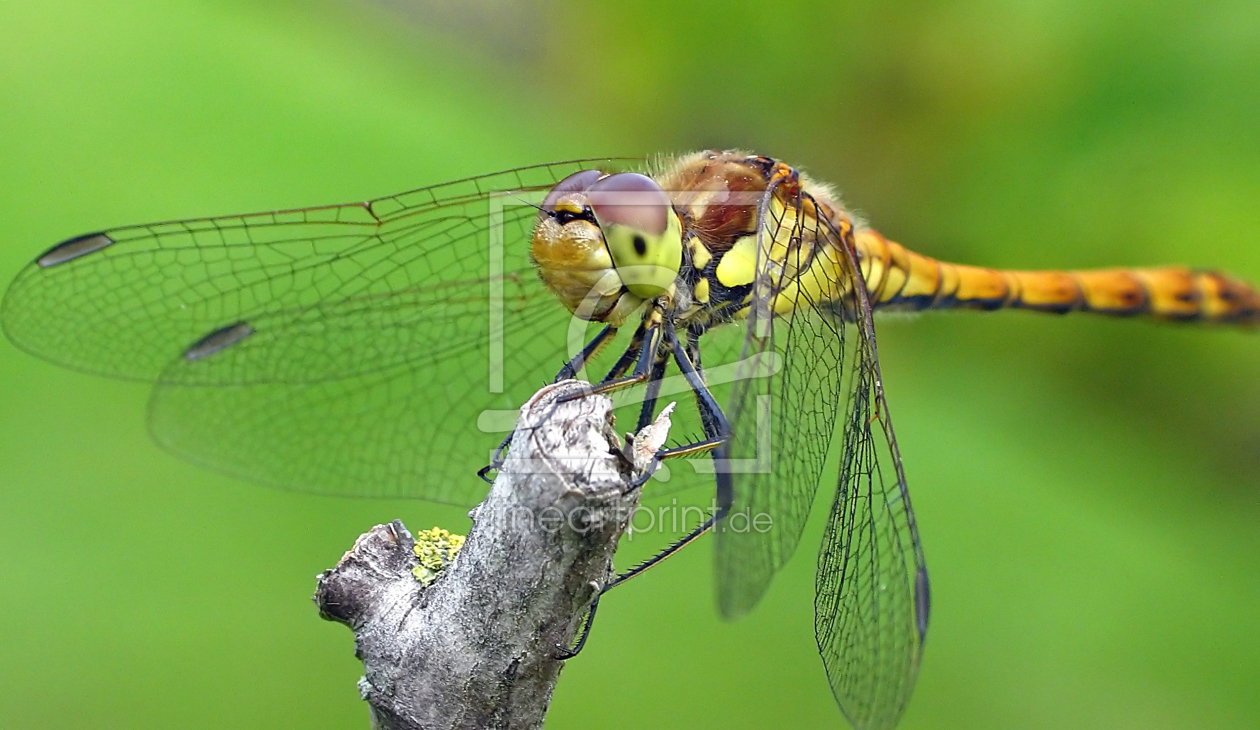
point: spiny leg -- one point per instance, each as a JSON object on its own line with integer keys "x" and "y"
{"x": 652, "y": 392}
{"x": 575, "y": 365}
{"x": 717, "y": 432}
{"x": 563, "y": 653}
{"x": 645, "y": 417}
{"x": 569, "y": 370}
{"x": 707, "y": 416}
{"x": 628, "y": 357}
{"x": 651, "y": 341}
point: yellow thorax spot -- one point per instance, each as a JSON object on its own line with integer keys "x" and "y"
{"x": 436, "y": 549}
{"x": 738, "y": 266}
{"x": 700, "y": 255}
{"x": 701, "y": 291}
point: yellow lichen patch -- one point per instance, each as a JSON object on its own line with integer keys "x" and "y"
{"x": 436, "y": 549}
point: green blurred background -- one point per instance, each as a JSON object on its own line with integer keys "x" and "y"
{"x": 1088, "y": 490}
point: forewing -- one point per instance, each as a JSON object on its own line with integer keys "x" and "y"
{"x": 313, "y": 294}
{"x": 871, "y": 591}
{"x": 783, "y": 427}
{"x": 374, "y": 349}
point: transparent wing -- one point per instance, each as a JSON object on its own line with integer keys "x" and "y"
{"x": 871, "y": 594}
{"x": 783, "y": 426}
{"x": 339, "y": 350}
{"x": 299, "y": 295}
{"x": 414, "y": 430}
{"x": 871, "y": 585}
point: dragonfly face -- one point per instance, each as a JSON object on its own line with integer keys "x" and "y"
{"x": 606, "y": 243}
{"x": 381, "y": 348}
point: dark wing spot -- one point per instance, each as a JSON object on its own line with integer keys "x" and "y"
{"x": 640, "y": 246}
{"x": 922, "y": 602}
{"x": 74, "y": 248}
{"x": 218, "y": 340}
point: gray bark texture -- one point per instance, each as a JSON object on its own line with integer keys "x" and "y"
{"x": 477, "y": 648}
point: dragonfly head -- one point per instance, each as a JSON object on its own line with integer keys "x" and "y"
{"x": 606, "y": 243}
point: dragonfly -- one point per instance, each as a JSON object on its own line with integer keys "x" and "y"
{"x": 372, "y": 349}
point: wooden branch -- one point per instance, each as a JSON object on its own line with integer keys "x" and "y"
{"x": 478, "y": 647}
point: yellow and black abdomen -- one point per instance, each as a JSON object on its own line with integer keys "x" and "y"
{"x": 901, "y": 279}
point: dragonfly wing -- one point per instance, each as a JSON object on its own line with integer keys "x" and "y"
{"x": 871, "y": 586}
{"x": 783, "y": 427}
{"x": 299, "y": 296}
{"x": 871, "y": 600}
{"x": 413, "y": 430}
{"x": 335, "y": 349}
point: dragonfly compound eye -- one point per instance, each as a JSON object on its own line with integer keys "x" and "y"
{"x": 641, "y": 231}
{"x": 567, "y": 196}
{"x": 572, "y": 259}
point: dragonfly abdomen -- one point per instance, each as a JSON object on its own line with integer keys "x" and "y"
{"x": 902, "y": 279}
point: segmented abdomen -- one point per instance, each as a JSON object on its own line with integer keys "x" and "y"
{"x": 901, "y": 279}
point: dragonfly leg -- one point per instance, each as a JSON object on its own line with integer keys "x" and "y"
{"x": 496, "y": 460}
{"x": 568, "y": 653}
{"x": 653, "y": 391}
{"x": 570, "y": 370}
{"x": 642, "y": 369}
{"x": 574, "y": 366}
{"x": 717, "y": 432}
{"x": 698, "y": 447}
{"x": 710, "y": 415}
{"x": 645, "y": 417}
{"x": 648, "y": 365}
{"x": 628, "y": 357}
{"x": 651, "y": 562}
{"x": 716, "y": 426}
{"x": 563, "y": 654}
{"x": 706, "y": 405}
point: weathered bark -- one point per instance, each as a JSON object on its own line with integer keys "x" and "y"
{"x": 478, "y": 647}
